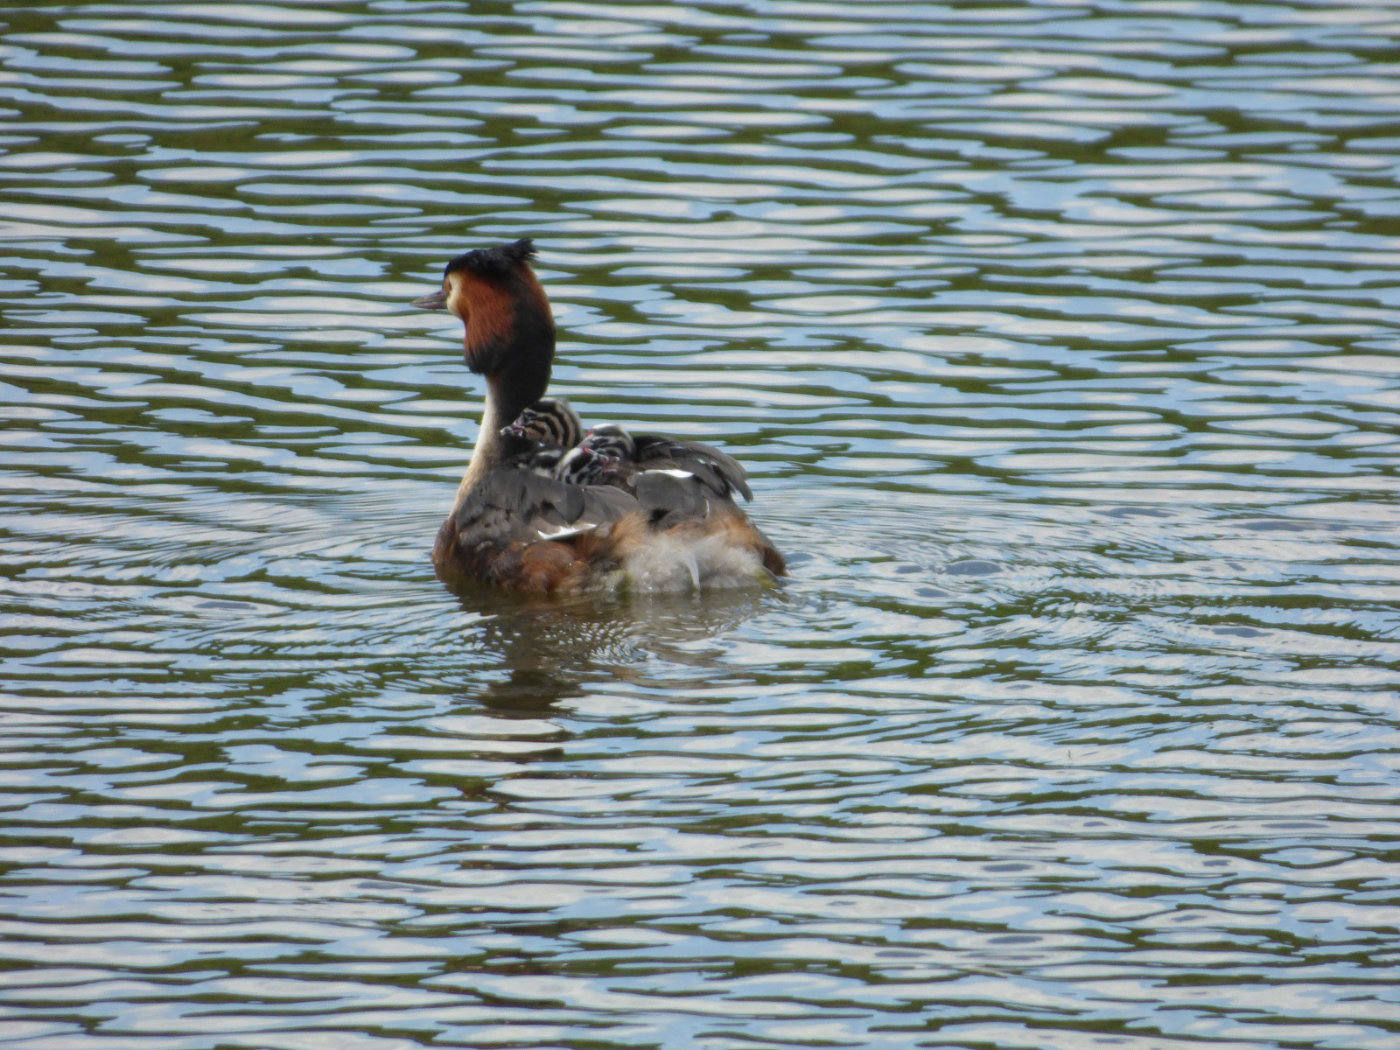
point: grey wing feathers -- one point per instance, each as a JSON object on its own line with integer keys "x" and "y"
{"x": 603, "y": 504}
{"x": 516, "y": 505}
{"x": 717, "y": 470}
{"x": 667, "y": 500}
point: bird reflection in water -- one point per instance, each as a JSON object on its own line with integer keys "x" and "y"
{"x": 547, "y": 650}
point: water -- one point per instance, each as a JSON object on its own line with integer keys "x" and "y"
{"x": 1061, "y": 344}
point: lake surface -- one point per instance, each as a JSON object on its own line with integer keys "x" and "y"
{"x": 1061, "y": 343}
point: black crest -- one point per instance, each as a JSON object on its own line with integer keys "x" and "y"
{"x": 499, "y": 261}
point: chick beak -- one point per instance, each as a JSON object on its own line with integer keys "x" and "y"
{"x": 436, "y": 301}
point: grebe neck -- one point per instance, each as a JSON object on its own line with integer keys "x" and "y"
{"x": 504, "y": 401}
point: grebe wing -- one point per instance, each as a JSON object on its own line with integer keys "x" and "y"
{"x": 718, "y": 471}
{"x": 512, "y": 506}
{"x": 669, "y": 496}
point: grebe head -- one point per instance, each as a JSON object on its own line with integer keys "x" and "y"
{"x": 509, "y": 330}
{"x": 582, "y": 465}
{"x": 550, "y": 423}
{"x": 609, "y": 439}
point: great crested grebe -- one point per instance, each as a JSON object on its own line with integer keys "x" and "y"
{"x": 645, "y": 512}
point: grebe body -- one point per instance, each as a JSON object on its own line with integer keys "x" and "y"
{"x": 541, "y": 510}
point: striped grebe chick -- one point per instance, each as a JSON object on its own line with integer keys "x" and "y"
{"x": 543, "y": 433}
{"x": 634, "y": 455}
{"x": 513, "y": 527}
{"x": 582, "y": 465}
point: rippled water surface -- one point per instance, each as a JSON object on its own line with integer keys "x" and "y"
{"x": 1060, "y": 341}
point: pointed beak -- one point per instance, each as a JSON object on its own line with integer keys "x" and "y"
{"x": 436, "y": 301}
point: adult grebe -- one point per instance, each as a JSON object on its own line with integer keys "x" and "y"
{"x": 511, "y": 526}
